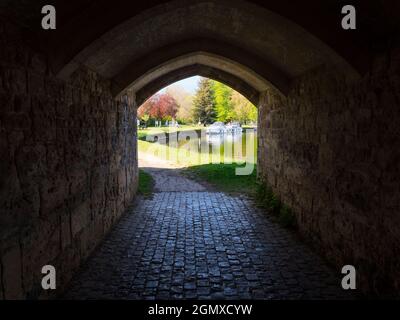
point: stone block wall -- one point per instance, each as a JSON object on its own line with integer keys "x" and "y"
{"x": 68, "y": 167}
{"x": 331, "y": 151}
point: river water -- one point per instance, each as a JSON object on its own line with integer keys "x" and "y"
{"x": 232, "y": 147}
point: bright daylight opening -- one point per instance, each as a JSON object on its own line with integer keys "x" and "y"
{"x": 202, "y": 128}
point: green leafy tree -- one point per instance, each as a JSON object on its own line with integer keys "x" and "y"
{"x": 244, "y": 110}
{"x": 223, "y": 102}
{"x": 204, "y": 102}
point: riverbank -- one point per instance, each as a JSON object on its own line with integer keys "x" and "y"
{"x": 217, "y": 177}
{"x": 222, "y": 177}
{"x": 210, "y": 160}
{"x": 143, "y": 133}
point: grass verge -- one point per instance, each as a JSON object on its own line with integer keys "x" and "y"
{"x": 143, "y": 133}
{"x": 223, "y": 177}
{"x": 146, "y": 184}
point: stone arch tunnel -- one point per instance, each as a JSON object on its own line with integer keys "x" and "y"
{"x": 329, "y": 114}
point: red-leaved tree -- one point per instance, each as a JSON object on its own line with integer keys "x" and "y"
{"x": 160, "y": 106}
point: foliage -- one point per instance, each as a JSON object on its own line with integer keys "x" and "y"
{"x": 146, "y": 183}
{"x": 204, "y": 102}
{"x": 223, "y": 103}
{"x": 145, "y": 118}
{"x": 213, "y": 101}
{"x": 244, "y": 110}
{"x": 230, "y": 105}
{"x": 160, "y": 106}
{"x": 185, "y": 104}
{"x": 141, "y": 135}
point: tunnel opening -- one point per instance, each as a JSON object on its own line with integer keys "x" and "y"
{"x": 206, "y": 129}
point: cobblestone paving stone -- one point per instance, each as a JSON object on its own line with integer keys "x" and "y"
{"x": 202, "y": 245}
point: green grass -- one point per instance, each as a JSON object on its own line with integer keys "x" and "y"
{"x": 143, "y": 133}
{"x": 223, "y": 177}
{"x": 146, "y": 183}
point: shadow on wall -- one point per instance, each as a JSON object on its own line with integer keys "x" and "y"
{"x": 327, "y": 150}
{"x": 69, "y": 169}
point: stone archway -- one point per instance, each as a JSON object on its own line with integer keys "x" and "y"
{"x": 328, "y": 112}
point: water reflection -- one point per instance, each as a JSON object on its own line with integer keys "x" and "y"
{"x": 234, "y": 145}
{"x": 220, "y": 139}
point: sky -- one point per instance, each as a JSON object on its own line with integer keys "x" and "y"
{"x": 189, "y": 84}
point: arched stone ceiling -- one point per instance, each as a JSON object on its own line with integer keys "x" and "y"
{"x": 215, "y": 62}
{"x": 82, "y": 22}
{"x": 147, "y": 89}
{"x": 288, "y": 38}
{"x": 276, "y": 48}
{"x": 279, "y": 41}
{"x": 250, "y": 68}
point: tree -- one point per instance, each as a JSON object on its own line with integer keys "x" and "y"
{"x": 145, "y": 118}
{"x": 160, "y": 107}
{"x": 204, "y": 102}
{"x": 145, "y": 108}
{"x": 223, "y": 102}
{"x": 185, "y": 103}
{"x": 244, "y": 110}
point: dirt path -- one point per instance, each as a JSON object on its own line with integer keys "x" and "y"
{"x": 168, "y": 176}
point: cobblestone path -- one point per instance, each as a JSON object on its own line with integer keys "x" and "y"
{"x": 187, "y": 243}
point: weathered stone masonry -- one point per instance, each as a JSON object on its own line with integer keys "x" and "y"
{"x": 68, "y": 167}
{"x": 331, "y": 151}
{"x": 330, "y": 148}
